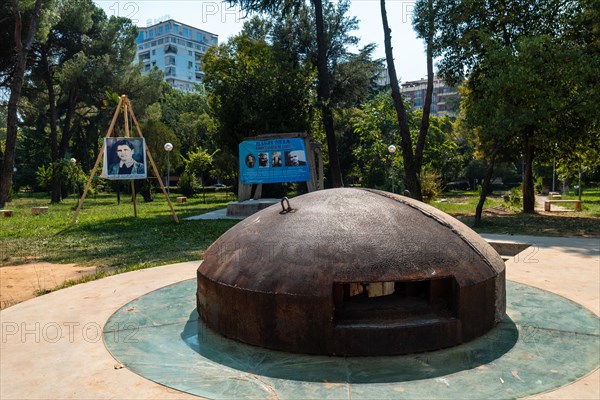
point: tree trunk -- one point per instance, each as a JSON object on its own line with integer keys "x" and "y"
{"x": 63, "y": 146}
{"x": 528, "y": 184}
{"x": 579, "y": 184}
{"x": 486, "y": 187}
{"x": 56, "y": 195}
{"x": 428, "y": 94}
{"x": 411, "y": 179}
{"x": 323, "y": 92}
{"x": 16, "y": 84}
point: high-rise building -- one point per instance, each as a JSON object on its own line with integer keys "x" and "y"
{"x": 176, "y": 49}
{"x": 445, "y": 99}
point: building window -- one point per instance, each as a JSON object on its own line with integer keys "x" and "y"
{"x": 198, "y": 37}
{"x": 190, "y": 65}
{"x": 170, "y": 71}
{"x": 160, "y": 41}
{"x": 160, "y": 30}
{"x": 153, "y": 52}
{"x": 190, "y": 53}
{"x": 185, "y": 31}
{"x": 170, "y": 60}
{"x": 153, "y": 43}
{"x": 151, "y": 32}
{"x": 168, "y": 27}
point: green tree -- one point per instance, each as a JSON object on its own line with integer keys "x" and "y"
{"x": 324, "y": 30}
{"x": 157, "y": 134}
{"x": 83, "y": 55}
{"x": 441, "y": 154}
{"x": 23, "y": 40}
{"x": 409, "y": 156}
{"x": 188, "y": 114}
{"x": 376, "y": 128}
{"x": 534, "y": 60}
{"x": 254, "y": 89}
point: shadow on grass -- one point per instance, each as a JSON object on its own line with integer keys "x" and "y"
{"x": 132, "y": 242}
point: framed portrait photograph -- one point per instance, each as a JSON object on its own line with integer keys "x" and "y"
{"x": 124, "y": 158}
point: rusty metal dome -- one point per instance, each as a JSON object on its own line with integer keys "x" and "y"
{"x": 351, "y": 272}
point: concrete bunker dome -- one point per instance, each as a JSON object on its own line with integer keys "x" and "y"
{"x": 351, "y": 272}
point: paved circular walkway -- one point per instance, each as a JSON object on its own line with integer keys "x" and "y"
{"x": 51, "y": 347}
{"x": 545, "y": 342}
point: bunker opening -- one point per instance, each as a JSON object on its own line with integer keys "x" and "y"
{"x": 385, "y": 302}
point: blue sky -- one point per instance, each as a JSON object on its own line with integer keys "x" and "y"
{"x": 216, "y": 17}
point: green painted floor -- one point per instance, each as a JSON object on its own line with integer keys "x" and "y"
{"x": 544, "y": 342}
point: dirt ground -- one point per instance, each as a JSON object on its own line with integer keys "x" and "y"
{"x": 21, "y": 282}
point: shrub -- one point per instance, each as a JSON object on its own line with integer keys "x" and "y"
{"x": 187, "y": 184}
{"x": 431, "y": 185}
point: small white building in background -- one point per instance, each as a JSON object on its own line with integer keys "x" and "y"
{"x": 176, "y": 49}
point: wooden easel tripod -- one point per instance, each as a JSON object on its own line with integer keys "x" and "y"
{"x": 124, "y": 106}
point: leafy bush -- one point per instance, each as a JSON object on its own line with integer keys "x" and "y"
{"x": 513, "y": 198}
{"x": 71, "y": 176}
{"x": 187, "y": 184}
{"x": 431, "y": 185}
{"x": 539, "y": 187}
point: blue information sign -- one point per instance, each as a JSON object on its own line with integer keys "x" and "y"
{"x": 272, "y": 161}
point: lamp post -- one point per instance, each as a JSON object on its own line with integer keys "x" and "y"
{"x": 392, "y": 150}
{"x": 73, "y": 177}
{"x": 168, "y": 148}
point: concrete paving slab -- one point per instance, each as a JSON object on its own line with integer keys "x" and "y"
{"x": 217, "y": 214}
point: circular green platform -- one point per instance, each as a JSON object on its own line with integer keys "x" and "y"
{"x": 544, "y": 342}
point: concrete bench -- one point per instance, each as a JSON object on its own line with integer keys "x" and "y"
{"x": 554, "y": 196}
{"x": 7, "y": 213}
{"x": 547, "y": 204}
{"x": 181, "y": 199}
{"x": 39, "y": 210}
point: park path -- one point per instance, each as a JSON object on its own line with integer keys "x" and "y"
{"x": 539, "y": 204}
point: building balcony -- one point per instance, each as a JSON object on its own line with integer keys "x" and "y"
{"x": 170, "y": 49}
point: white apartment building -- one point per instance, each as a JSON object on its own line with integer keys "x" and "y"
{"x": 176, "y": 49}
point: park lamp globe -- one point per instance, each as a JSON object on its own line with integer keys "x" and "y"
{"x": 168, "y": 146}
{"x": 392, "y": 149}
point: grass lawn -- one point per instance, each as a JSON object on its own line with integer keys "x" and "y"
{"x": 578, "y": 224}
{"x": 109, "y": 237}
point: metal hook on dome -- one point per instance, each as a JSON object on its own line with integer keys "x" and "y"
{"x": 288, "y": 209}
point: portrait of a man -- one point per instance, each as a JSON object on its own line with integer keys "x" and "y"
{"x": 250, "y": 160}
{"x": 124, "y": 158}
{"x": 295, "y": 158}
{"x": 263, "y": 160}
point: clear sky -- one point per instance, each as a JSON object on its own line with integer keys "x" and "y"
{"x": 216, "y": 17}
